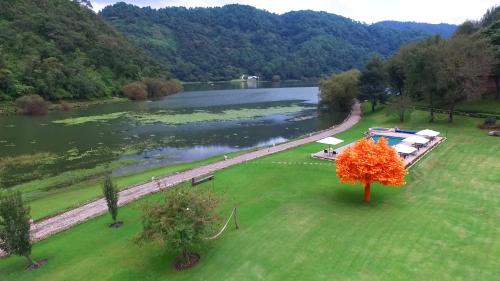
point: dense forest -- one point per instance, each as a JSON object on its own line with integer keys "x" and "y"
{"x": 222, "y": 43}
{"x": 60, "y": 49}
{"x": 435, "y": 73}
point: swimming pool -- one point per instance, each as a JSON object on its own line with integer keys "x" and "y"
{"x": 392, "y": 140}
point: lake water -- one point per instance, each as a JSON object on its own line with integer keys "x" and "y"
{"x": 203, "y": 121}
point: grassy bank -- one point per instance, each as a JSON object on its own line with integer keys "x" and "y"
{"x": 53, "y": 201}
{"x": 299, "y": 223}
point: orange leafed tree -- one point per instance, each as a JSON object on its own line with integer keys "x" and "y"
{"x": 367, "y": 162}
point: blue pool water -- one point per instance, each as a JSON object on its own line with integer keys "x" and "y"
{"x": 392, "y": 140}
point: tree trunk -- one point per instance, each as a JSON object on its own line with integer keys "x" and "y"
{"x": 402, "y": 112}
{"x": 450, "y": 114}
{"x": 431, "y": 107}
{"x": 31, "y": 261}
{"x": 186, "y": 256}
{"x": 497, "y": 87}
{"x": 373, "y": 106}
{"x": 367, "y": 193}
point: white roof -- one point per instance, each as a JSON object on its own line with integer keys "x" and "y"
{"x": 403, "y": 148}
{"x": 428, "y": 133}
{"x": 416, "y": 139}
{"x": 330, "y": 141}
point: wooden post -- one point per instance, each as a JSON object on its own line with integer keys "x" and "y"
{"x": 236, "y": 220}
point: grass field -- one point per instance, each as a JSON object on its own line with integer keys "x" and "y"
{"x": 487, "y": 105}
{"x": 54, "y": 201}
{"x": 299, "y": 223}
{"x": 483, "y": 106}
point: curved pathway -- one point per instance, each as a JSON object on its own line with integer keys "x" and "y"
{"x": 45, "y": 228}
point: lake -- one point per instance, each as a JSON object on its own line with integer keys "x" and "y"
{"x": 203, "y": 121}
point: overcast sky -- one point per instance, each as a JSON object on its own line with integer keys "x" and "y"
{"x": 369, "y": 11}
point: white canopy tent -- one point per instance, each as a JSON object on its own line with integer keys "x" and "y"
{"x": 403, "y": 148}
{"x": 416, "y": 139}
{"x": 428, "y": 133}
{"x": 330, "y": 141}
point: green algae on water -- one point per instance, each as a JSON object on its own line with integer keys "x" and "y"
{"x": 168, "y": 117}
{"x": 205, "y": 116}
{"x": 93, "y": 118}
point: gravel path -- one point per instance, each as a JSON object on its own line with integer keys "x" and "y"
{"x": 45, "y": 228}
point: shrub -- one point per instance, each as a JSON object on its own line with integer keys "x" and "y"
{"x": 182, "y": 220}
{"x": 159, "y": 88}
{"x": 152, "y": 88}
{"x": 64, "y": 106}
{"x": 135, "y": 91}
{"x": 490, "y": 121}
{"x": 15, "y": 227}
{"x": 32, "y": 105}
{"x": 111, "y": 195}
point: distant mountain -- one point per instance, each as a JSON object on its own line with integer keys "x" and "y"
{"x": 224, "y": 42}
{"x": 443, "y": 29}
{"x": 62, "y": 50}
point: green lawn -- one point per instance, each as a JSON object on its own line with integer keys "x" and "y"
{"x": 489, "y": 105}
{"x": 299, "y": 223}
{"x": 54, "y": 201}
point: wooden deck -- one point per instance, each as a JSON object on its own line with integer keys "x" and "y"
{"x": 409, "y": 160}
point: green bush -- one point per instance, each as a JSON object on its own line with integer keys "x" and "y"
{"x": 182, "y": 220}
{"x": 490, "y": 121}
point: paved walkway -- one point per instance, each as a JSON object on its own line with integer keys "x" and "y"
{"x": 45, "y": 228}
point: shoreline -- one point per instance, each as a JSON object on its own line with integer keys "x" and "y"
{"x": 8, "y": 108}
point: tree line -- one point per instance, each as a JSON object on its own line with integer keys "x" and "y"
{"x": 437, "y": 72}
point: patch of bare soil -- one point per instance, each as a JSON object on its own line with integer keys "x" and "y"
{"x": 117, "y": 224}
{"x": 182, "y": 263}
{"x": 37, "y": 265}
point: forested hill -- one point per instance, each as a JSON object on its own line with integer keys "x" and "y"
{"x": 224, "y": 42}
{"x": 60, "y": 49}
{"x": 443, "y": 29}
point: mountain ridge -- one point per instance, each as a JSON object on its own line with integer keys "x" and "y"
{"x": 221, "y": 43}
